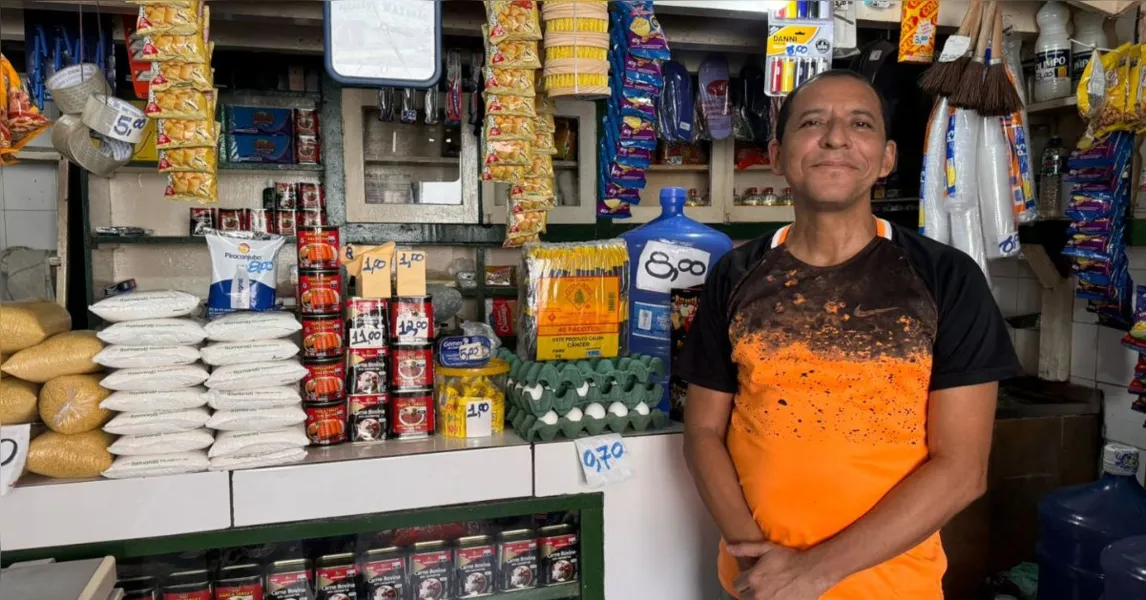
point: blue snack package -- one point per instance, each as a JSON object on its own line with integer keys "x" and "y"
{"x": 244, "y": 271}
{"x": 634, "y": 157}
{"x": 634, "y": 105}
{"x": 643, "y": 70}
{"x": 1094, "y": 247}
{"x": 644, "y": 37}
{"x": 632, "y": 178}
{"x": 637, "y": 132}
{"x": 259, "y": 148}
{"x": 1099, "y": 226}
{"x": 1138, "y": 329}
{"x": 254, "y": 119}
{"x": 1104, "y": 153}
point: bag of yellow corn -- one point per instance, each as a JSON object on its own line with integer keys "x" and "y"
{"x": 25, "y": 324}
{"x": 69, "y": 353}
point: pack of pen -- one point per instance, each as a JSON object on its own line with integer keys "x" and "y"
{"x": 799, "y": 44}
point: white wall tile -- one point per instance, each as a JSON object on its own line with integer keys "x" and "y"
{"x": 1004, "y": 267}
{"x": 1029, "y": 298}
{"x": 30, "y": 187}
{"x": 1025, "y": 271}
{"x": 1087, "y": 383}
{"x": 1115, "y": 364}
{"x": 1080, "y": 313}
{"x": 1006, "y": 291}
{"x": 1083, "y": 351}
{"x": 31, "y": 228}
{"x": 3, "y": 236}
{"x": 1120, "y": 422}
{"x": 1027, "y": 348}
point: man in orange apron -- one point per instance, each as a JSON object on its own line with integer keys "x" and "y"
{"x": 843, "y": 375}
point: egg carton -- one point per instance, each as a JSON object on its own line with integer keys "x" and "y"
{"x": 539, "y": 387}
{"x": 532, "y": 428}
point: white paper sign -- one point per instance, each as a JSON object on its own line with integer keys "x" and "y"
{"x": 383, "y": 42}
{"x": 604, "y": 459}
{"x": 13, "y": 454}
{"x": 664, "y": 266}
{"x": 369, "y": 335}
{"x": 479, "y": 418}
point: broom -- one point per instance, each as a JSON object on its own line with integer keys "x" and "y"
{"x": 942, "y": 78}
{"x": 1000, "y": 98}
{"x": 969, "y": 93}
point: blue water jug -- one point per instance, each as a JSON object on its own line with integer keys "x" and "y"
{"x": 670, "y": 252}
{"x": 1079, "y": 521}
{"x": 1124, "y": 564}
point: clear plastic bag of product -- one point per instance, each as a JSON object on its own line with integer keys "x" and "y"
{"x": 157, "y": 465}
{"x": 996, "y": 205}
{"x": 71, "y": 404}
{"x": 967, "y": 235}
{"x": 76, "y": 456}
{"x": 963, "y": 133}
{"x": 933, "y": 184}
{"x": 18, "y": 401}
{"x": 68, "y": 353}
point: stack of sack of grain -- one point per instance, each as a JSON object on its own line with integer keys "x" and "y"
{"x": 50, "y": 376}
{"x": 254, "y": 390}
{"x": 157, "y": 384}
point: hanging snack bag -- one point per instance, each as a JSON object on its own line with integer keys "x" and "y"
{"x": 643, "y": 32}
{"x": 510, "y": 105}
{"x": 507, "y": 153}
{"x": 180, "y": 103}
{"x": 244, "y": 271}
{"x": 201, "y": 159}
{"x": 509, "y": 20}
{"x": 200, "y": 187}
{"x": 198, "y": 76}
{"x": 509, "y": 82}
{"x": 509, "y": 128}
{"x": 169, "y": 19}
{"x": 183, "y": 133}
{"x": 1113, "y": 115}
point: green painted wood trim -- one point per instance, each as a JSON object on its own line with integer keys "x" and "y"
{"x": 593, "y": 553}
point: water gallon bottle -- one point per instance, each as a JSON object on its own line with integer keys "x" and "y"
{"x": 1124, "y": 564}
{"x": 1052, "y": 53}
{"x": 1088, "y": 35}
{"x": 670, "y": 252}
{"x": 1079, "y": 521}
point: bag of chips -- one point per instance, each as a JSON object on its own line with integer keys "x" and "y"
{"x": 510, "y": 105}
{"x": 200, "y": 187}
{"x": 169, "y": 19}
{"x": 508, "y": 82}
{"x": 167, "y": 75}
{"x": 180, "y": 103}
{"x": 509, "y": 20}
{"x": 202, "y": 159}
{"x": 183, "y": 133}
{"x": 508, "y": 128}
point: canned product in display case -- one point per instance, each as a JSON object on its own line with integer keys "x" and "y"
{"x": 475, "y": 563}
{"x": 431, "y": 567}
{"x": 367, "y": 370}
{"x": 411, "y": 414}
{"x": 239, "y": 582}
{"x": 326, "y": 422}
{"x": 325, "y": 380}
{"x": 336, "y": 577}
{"x": 560, "y": 554}
{"x": 289, "y": 579}
{"x": 322, "y": 336}
{"x": 319, "y": 292}
{"x": 384, "y": 574}
{"x": 517, "y": 560}
{"x": 412, "y": 320}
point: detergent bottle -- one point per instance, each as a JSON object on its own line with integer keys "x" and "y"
{"x": 670, "y": 252}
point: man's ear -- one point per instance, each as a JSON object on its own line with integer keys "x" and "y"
{"x": 774, "y": 157}
{"x": 890, "y": 155}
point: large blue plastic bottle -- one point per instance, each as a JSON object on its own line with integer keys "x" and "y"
{"x": 670, "y": 252}
{"x": 1079, "y": 521}
{"x": 1124, "y": 564}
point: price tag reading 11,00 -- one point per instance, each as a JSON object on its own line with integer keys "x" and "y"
{"x": 604, "y": 459}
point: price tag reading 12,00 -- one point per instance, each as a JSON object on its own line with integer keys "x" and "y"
{"x": 604, "y": 459}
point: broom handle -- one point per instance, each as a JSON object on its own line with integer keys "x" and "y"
{"x": 971, "y": 19}
{"x": 997, "y": 37}
{"x": 984, "y": 33}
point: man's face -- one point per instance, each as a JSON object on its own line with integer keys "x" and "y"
{"x": 835, "y": 145}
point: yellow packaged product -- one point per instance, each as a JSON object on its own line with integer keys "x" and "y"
{"x": 18, "y": 401}
{"x": 543, "y": 143}
{"x": 203, "y": 159}
{"x": 77, "y": 456}
{"x": 178, "y": 3}
{"x": 1134, "y": 114}
{"x": 471, "y": 391}
{"x": 544, "y": 122}
{"x": 521, "y": 206}
{"x": 180, "y": 103}
{"x": 1113, "y": 110}
{"x": 543, "y": 104}
{"x": 503, "y": 173}
{"x": 166, "y": 75}
{"x": 509, "y": 128}
{"x": 537, "y": 189}
{"x": 509, "y": 105}
{"x": 70, "y": 403}
{"x": 27, "y": 323}
{"x": 20, "y": 120}
{"x": 183, "y": 133}
{"x": 169, "y": 19}
{"x": 182, "y": 48}
{"x": 509, "y": 20}
{"x": 509, "y": 82}
{"x": 507, "y": 153}
{"x": 513, "y": 55}
{"x": 68, "y": 353}
{"x": 541, "y": 166}
{"x": 518, "y": 242}
{"x": 200, "y": 187}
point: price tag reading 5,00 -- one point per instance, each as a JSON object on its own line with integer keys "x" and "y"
{"x": 604, "y": 459}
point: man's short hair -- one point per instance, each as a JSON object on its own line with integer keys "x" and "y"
{"x": 786, "y": 107}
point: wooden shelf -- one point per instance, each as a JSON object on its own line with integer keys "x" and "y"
{"x": 157, "y": 240}
{"x": 413, "y": 160}
{"x": 1058, "y": 104}
{"x": 679, "y": 168}
{"x": 225, "y": 166}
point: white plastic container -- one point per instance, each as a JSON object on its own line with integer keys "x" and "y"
{"x": 1052, "y": 53}
{"x": 1088, "y": 35}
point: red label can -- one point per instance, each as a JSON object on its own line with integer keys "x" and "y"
{"x": 325, "y": 380}
{"x": 318, "y": 248}
{"x": 322, "y": 337}
{"x": 202, "y": 219}
{"x": 233, "y": 219}
{"x": 285, "y": 222}
{"x": 306, "y": 121}
{"x": 306, "y": 149}
{"x": 336, "y": 582}
{"x": 319, "y": 292}
{"x": 412, "y": 367}
{"x": 326, "y": 423}
{"x": 411, "y": 414}
{"x": 260, "y": 220}
{"x": 310, "y": 217}
{"x": 412, "y": 320}
{"x": 239, "y": 591}
{"x": 204, "y": 594}
{"x": 286, "y": 196}
{"x": 311, "y": 196}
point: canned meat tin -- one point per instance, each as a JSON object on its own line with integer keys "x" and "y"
{"x": 239, "y": 582}
{"x": 411, "y": 414}
{"x": 412, "y": 320}
{"x": 411, "y": 367}
{"x": 517, "y": 560}
{"x": 318, "y": 248}
{"x": 384, "y": 574}
{"x": 336, "y": 577}
{"x": 289, "y": 579}
{"x": 367, "y": 371}
{"x": 326, "y": 423}
{"x": 431, "y": 567}
{"x": 319, "y": 292}
{"x": 322, "y": 337}
{"x": 325, "y": 380}
{"x": 475, "y": 562}
{"x": 559, "y": 554}
{"x": 368, "y": 417}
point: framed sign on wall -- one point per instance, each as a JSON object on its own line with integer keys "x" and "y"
{"x": 375, "y": 43}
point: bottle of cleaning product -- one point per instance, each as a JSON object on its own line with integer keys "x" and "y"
{"x": 1052, "y": 53}
{"x": 1050, "y": 179}
{"x": 670, "y": 252}
{"x": 1088, "y": 35}
{"x": 1079, "y": 521}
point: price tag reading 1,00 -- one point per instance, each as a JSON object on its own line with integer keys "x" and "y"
{"x": 604, "y": 459}
{"x": 479, "y": 418}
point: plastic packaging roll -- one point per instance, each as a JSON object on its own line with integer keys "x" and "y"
{"x": 967, "y": 235}
{"x": 963, "y": 130}
{"x": 72, "y": 86}
{"x": 114, "y": 118}
{"x": 933, "y": 185}
{"x": 996, "y": 205}
{"x": 102, "y": 159}
{"x": 63, "y": 129}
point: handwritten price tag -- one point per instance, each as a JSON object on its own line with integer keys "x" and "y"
{"x": 604, "y": 459}
{"x": 479, "y": 418}
{"x": 368, "y": 336}
{"x": 13, "y": 454}
{"x": 411, "y": 265}
{"x": 664, "y": 266}
{"x": 350, "y": 253}
{"x": 374, "y": 274}
{"x": 412, "y": 328}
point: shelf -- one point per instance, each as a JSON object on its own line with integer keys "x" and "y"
{"x": 565, "y": 164}
{"x": 241, "y": 167}
{"x": 42, "y": 512}
{"x": 414, "y": 160}
{"x": 754, "y": 168}
{"x": 316, "y": 96}
{"x": 156, "y": 240}
{"x": 554, "y": 592}
{"x": 1058, "y": 104}
{"x": 454, "y": 472}
{"x": 678, "y": 168}
{"x": 38, "y": 155}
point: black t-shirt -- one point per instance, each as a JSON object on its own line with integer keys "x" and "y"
{"x": 902, "y": 297}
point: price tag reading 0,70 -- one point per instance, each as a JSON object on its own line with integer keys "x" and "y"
{"x": 604, "y": 459}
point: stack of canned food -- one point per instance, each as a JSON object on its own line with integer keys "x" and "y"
{"x": 323, "y": 335}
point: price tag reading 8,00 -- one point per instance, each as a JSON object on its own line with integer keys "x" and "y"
{"x": 604, "y": 459}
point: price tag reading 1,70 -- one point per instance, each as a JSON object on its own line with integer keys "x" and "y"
{"x": 604, "y": 459}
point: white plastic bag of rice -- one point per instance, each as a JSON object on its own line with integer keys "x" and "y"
{"x": 155, "y": 332}
{"x": 134, "y": 306}
{"x": 119, "y": 356}
{"x": 255, "y": 419}
{"x": 249, "y": 442}
{"x": 157, "y": 465}
{"x": 192, "y": 397}
{"x": 258, "y": 459}
{"x": 252, "y": 326}
{"x": 259, "y": 398}
{"x": 238, "y": 353}
{"x": 156, "y": 379}
{"x": 256, "y": 375}
{"x": 162, "y": 443}
{"x": 157, "y": 421}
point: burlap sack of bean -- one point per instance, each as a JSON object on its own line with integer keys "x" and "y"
{"x": 70, "y": 404}
{"x": 17, "y": 401}
{"x": 74, "y": 456}
{"x": 25, "y": 324}
{"x": 69, "y": 353}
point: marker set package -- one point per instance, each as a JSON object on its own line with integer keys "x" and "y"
{"x": 799, "y": 45}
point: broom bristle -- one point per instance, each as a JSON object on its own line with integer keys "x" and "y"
{"x": 999, "y": 95}
{"x": 931, "y": 82}
{"x": 969, "y": 92}
{"x": 954, "y": 76}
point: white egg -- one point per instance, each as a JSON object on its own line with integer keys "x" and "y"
{"x": 618, "y": 409}
{"x": 583, "y": 389}
{"x": 595, "y": 411}
{"x": 642, "y": 409}
{"x": 574, "y": 414}
{"x": 549, "y": 418}
{"x": 535, "y": 391}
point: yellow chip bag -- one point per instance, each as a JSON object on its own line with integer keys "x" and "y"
{"x": 509, "y": 82}
{"x": 519, "y": 206}
{"x": 543, "y": 104}
{"x": 513, "y": 55}
{"x": 507, "y": 153}
{"x": 188, "y": 159}
{"x": 180, "y": 103}
{"x": 183, "y": 133}
{"x": 166, "y": 75}
{"x": 168, "y": 19}
{"x": 534, "y": 188}
{"x": 512, "y": 20}
{"x": 509, "y": 128}
{"x": 509, "y": 105}
{"x": 503, "y": 173}
{"x": 544, "y": 122}
{"x": 540, "y": 167}
{"x": 543, "y": 143}
{"x": 199, "y": 187}
{"x": 1111, "y": 114}
{"x": 182, "y": 48}
{"x": 177, "y": 3}
{"x": 525, "y": 223}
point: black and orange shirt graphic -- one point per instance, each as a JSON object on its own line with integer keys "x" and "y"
{"x": 831, "y": 368}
